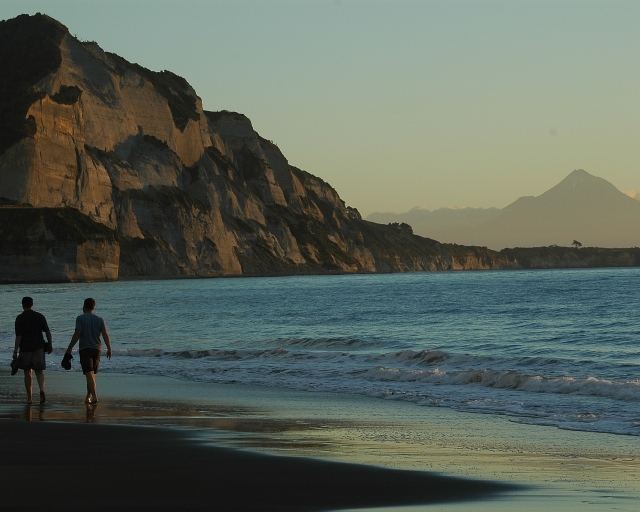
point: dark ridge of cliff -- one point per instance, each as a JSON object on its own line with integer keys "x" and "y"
{"x": 215, "y": 116}
{"x": 38, "y": 224}
{"x": 55, "y": 245}
{"x": 29, "y": 51}
{"x": 397, "y": 244}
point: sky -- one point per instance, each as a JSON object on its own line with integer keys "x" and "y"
{"x": 401, "y": 104}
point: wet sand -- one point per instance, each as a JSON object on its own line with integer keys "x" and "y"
{"x": 165, "y": 444}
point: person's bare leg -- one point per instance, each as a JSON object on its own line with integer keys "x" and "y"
{"x": 27, "y": 385}
{"x": 91, "y": 388}
{"x": 95, "y": 388}
{"x": 40, "y": 379}
{"x": 87, "y": 399}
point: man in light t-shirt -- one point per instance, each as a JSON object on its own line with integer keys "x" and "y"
{"x": 89, "y": 327}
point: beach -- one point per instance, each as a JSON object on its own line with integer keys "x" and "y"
{"x": 413, "y": 381}
{"x": 165, "y": 444}
{"x": 440, "y": 313}
{"x": 135, "y": 468}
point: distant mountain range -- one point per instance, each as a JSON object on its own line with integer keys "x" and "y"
{"x": 581, "y": 207}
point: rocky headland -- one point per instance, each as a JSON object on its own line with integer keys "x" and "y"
{"x": 110, "y": 170}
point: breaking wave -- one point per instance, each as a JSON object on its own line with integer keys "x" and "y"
{"x": 512, "y": 380}
{"x": 433, "y": 367}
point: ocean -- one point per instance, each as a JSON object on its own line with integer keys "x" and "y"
{"x": 550, "y": 347}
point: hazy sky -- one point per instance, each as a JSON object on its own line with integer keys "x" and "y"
{"x": 402, "y": 103}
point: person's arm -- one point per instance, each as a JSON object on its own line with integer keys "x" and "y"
{"x": 17, "y": 345}
{"x": 107, "y": 340}
{"x": 47, "y": 333}
{"x": 74, "y": 340}
{"x": 76, "y": 336}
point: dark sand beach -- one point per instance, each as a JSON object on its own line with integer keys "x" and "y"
{"x": 58, "y": 466}
{"x": 165, "y": 444}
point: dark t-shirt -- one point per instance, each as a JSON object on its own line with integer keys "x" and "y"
{"x": 30, "y": 325}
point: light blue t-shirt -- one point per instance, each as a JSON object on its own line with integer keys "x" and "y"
{"x": 89, "y": 326}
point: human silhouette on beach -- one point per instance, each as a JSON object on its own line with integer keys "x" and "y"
{"x": 89, "y": 328}
{"x": 30, "y": 347}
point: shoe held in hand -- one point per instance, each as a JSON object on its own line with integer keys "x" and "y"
{"x": 66, "y": 361}
{"x": 14, "y": 366}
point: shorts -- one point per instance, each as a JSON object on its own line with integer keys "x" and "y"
{"x": 33, "y": 360}
{"x": 89, "y": 360}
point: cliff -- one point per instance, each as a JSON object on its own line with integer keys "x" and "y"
{"x": 55, "y": 244}
{"x": 110, "y": 154}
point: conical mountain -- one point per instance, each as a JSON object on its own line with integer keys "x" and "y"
{"x": 581, "y": 207}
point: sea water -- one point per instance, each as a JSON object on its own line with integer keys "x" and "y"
{"x": 556, "y": 347}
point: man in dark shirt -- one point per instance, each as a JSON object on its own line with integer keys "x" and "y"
{"x": 29, "y": 341}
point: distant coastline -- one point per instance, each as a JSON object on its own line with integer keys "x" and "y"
{"x": 569, "y": 257}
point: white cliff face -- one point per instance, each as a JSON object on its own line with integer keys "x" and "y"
{"x": 184, "y": 192}
{"x": 119, "y": 102}
{"x": 104, "y": 110}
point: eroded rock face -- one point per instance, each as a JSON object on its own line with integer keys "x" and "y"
{"x": 55, "y": 244}
{"x": 185, "y": 192}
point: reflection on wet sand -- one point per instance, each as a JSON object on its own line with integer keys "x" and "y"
{"x": 91, "y": 412}
{"x": 233, "y": 426}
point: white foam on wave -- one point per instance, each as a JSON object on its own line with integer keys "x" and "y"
{"x": 590, "y": 386}
{"x": 428, "y": 366}
{"x": 428, "y": 377}
{"x": 479, "y": 383}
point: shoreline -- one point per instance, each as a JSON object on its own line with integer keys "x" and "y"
{"x": 326, "y": 274}
{"x": 543, "y": 466}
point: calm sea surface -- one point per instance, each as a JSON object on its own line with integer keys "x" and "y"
{"x": 550, "y": 347}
